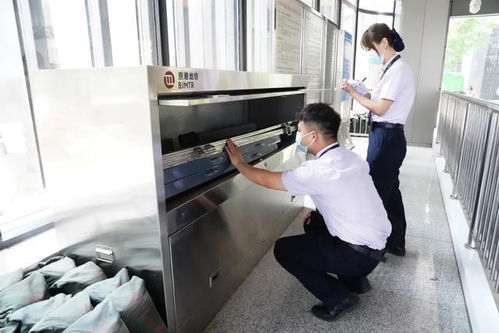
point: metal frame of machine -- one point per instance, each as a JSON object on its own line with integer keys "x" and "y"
{"x": 100, "y": 143}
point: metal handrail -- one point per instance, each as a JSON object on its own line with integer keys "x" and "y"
{"x": 474, "y": 100}
{"x": 468, "y": 134}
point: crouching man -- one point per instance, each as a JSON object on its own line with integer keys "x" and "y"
{"x": 347, "y": 234}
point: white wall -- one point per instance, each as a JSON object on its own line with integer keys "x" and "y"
{"x": 423, "y": 26}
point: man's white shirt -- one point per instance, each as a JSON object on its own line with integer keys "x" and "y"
{"x": 339, "y": 184}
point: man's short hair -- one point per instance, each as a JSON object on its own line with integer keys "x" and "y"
{"x": 326, "y": 120}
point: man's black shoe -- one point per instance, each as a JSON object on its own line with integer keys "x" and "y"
{"x": 360, "y": 286}
{"x": 348, "y": 304}
{"x": 398, "y": 251}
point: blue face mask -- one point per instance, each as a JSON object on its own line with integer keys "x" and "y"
{"x": 374, "y": 58}
{"x": 298, "y": 139}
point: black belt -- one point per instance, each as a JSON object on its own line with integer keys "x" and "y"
{"x": 365, "y": 250}
{"x": 386, "y": 125}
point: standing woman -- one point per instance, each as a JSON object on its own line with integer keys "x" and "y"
{"x": 389, "y": 106}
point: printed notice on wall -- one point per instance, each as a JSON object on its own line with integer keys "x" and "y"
{"x": 289, "y": 17}
{"x": 313, "y": 49}
{"x": 347, "y": 61}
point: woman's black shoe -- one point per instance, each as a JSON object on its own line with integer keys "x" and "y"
{"x": 348, "y": 304}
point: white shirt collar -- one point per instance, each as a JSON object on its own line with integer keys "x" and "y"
{"x": 324, "y": 149}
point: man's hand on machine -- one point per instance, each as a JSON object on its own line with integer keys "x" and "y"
{"x": 258, "y": 176}
{"x": 234, "y": 153}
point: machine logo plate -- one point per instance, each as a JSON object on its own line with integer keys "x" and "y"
{"x": 181, "y": 80}
{"x": 169, "y": 79}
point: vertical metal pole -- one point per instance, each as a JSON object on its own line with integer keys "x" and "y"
{"x": 459, "y": 155}
{"x": 484, "y": 196}
{"x": 491, "y": 228}
{"x": 471, "y": 243}
{"x": 243, "y": 36}
{"x": 491, "y": 195}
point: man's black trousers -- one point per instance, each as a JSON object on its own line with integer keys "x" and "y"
{"x": 312, "y": 256}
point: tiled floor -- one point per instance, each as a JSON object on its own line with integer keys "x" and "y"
{"x": 419, "y": 293}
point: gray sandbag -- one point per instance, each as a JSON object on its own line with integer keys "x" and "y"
{"x": 56, "y": 270}
{"x": 100, "y": 290}
{"x": 65, "y": 315}
{"x": 11, "y": 327}
{"x": 136, "y": 307}
{"x": 104, "y": 318}
{"x": 25, "y": 292}
{"x": 33, "y": 313}
{"x": 79, "y": 278}
{"x": 6, "y": 280}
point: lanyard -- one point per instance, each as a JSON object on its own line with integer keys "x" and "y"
{"x": 390, "y": 65}
{"x": 330, "y": 148}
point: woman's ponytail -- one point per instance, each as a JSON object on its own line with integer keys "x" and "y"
{"x": 398, "y": 43}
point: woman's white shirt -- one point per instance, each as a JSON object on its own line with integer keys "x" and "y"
{"x": 396, "y": 85}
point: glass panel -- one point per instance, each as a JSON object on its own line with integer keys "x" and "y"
{"x": 329, "y": 8}
{"x": 472, "y": 57}
{"x": 382, "y": 6}
{"x": 347, "y": 18}
{"x": 195, "y": 40}
{"x": 56, "y": 34}
{"x": 89, "y": 33}
{"x": 397, "y": 15}
{"x": 259, "y": 29}
{"x": 21, "y": 185}
{"x": 226, "y": 35}
{"x": 60, "y": 31}
{"x": 205, "y": 35}
{"x": 123, "y": 32}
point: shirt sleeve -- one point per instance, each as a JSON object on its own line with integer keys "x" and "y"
{"x": 392, "y": 86}
{"x": 300, "y": 181}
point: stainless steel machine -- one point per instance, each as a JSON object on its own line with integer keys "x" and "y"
{"x": 135, "y": 170}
